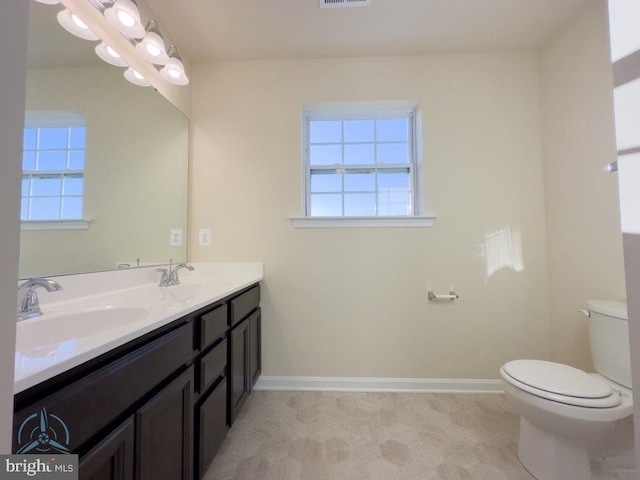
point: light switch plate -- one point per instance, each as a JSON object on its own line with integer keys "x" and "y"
{"x": 175, "y": 240}
{"x": 204, "y": 237}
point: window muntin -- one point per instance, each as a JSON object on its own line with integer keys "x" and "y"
{"x": 53, "y": 166}
{"x": 360, "y": 165}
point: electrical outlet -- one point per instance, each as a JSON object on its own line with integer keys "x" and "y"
{"x": 175, "y": 240}
{"x": 204, "y": 237}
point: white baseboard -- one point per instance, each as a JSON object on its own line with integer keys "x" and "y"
{"x": 355, "y": 384}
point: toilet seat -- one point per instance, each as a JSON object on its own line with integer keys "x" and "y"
{"x": 560, "y": 383}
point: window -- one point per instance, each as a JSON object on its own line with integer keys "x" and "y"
{"x": 53, "y": 161}
{"x": 360, "y": 164}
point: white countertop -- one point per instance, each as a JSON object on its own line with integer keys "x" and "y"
{"x": 78, "y": 324}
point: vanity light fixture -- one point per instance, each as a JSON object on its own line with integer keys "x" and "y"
{"x": 173, "y": 71}
{"x": 72, "y": 24}
{"x": 109, "y": 55}
{"x": 135, "y": 77}
{"x": 125, "y": 17}
{"x": 151, "y": 47}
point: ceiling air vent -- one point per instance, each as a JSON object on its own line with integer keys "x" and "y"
{"x": 344, "y": 3}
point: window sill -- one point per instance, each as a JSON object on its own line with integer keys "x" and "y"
{"x": 363, "y": 222}
{"x": 54, "y": 225}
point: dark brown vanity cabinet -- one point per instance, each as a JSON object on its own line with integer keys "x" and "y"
{"x": 158, "y": 407}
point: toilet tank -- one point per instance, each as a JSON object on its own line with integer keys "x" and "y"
{"x": 609, "y": 338}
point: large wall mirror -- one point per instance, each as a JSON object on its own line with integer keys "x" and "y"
{"x": 125, "y": 168}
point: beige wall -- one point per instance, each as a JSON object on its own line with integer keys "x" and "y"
{"x": 135, "y": 176}
{"x": 584, "y": 242}
{"x": 352, "y": 302}
{"x": 13, "y": 32}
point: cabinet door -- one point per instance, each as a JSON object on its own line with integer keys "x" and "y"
{"x": 255, "y": 354}
{"x": 239, "y": 368}
{"x": 211, "y": 426}
{"x": 164, "y": 427}
{"x": 111, "y": 459}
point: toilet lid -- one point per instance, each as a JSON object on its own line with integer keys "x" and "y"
{"x": 562, "y": 383}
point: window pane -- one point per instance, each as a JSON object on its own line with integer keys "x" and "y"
{"x": 29, "y": 141}
{"x": 77, "y": 137}
{"x": 394, "y": 180}
{"x": 325, "y": 154}
{"x": 398, "y": 203}
{"x": 358, "y": 131}
{"x": 76, "y": 160}
{"x": 360, "y": 181}
{"x": 395, "y": 130}
{"x": 52, "y": 138}
{"x": 46, "y": 186}
{"x": 71, "y": 208}
{"x": 55, "y": 160}
{"x": 326, "y": 205}
{"x": 45, "y": 208}
{"x": 359, "y": 154}
{"x": 326, "y": 181}
{"x": 359, "y": 205}
{"x": 24, "y": 209}
{"x": 72, "y": 185}
{"x": 28, "y": 160}
{"x": 321, "y": 131}
{"x": 393, "y": 153}
{"x": 25, "y": 186}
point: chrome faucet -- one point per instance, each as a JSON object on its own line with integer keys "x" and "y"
{"x": 169, "y": 276}
{"x": 28, "y": 303}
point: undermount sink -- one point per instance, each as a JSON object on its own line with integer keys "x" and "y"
{"x": 67, "y": 324}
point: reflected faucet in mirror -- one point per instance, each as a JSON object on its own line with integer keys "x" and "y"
{"x": 169, "y": 276}
{"x": 28, "y": 303}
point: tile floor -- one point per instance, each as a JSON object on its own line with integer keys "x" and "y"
{"x": 372, "y": 436}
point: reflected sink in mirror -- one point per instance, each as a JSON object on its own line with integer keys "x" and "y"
{"x": 34, "y": 339}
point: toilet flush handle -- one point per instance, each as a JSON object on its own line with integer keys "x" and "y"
{"x": 586, "y": 313}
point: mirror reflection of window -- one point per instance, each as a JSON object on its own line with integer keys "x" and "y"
{"x": 53, "y": 163}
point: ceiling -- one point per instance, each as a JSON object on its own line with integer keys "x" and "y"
{"x": 209, "y": 30}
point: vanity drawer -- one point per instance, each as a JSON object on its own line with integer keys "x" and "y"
{"x": 91, "y": 403}
{"x": 213, "y": 326}
{"x": 212, "y": 366}
{"x": 244, "y": 304}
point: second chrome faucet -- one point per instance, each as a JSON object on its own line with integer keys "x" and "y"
{"x": 169, "y": 276}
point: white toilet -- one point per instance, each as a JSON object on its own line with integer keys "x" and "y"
{"x": 575, "y": 425}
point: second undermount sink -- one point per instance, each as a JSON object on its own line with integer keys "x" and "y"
{"x": 66, "y": 324}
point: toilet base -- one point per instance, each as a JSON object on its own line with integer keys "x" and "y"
{"x": 551, "y": 457}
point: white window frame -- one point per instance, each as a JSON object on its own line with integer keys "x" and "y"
{"x": 62, "y": 119}
{"x": 364, "y": 111}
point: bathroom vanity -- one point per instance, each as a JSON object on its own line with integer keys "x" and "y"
{"x": 157, "y": 405}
